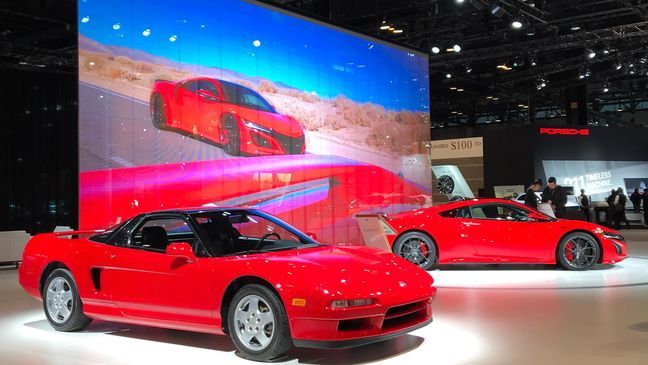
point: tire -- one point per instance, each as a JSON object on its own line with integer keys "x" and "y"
{"x": 417, "y": 248}
{"x": 268, "y": 341}
{"x": 230, "y": 137}
{"x": 578, "y": 251}
{"x": 159, "y": 112}
{"x": 63, "y": 311}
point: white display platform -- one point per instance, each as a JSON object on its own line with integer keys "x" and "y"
{"x": 632, "y": 271}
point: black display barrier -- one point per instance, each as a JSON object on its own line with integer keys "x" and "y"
{"x": 586, "y": 156}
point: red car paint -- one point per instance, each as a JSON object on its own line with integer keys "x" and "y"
{"x": 319, "y": 194}
{"x": 473, "y": 240}
{"x": 201, "y": 106}
{"x": 123, "y": 284}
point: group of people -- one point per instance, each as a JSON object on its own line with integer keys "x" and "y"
{"x": 553, "y": 194}
{"x": 556, "y": 196}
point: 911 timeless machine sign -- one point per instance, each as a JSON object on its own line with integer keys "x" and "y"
{"x": 564, "y": 131}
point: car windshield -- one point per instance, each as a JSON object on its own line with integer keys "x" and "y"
{"x": 242, "y": 96}
{"x": 235, "y": 232}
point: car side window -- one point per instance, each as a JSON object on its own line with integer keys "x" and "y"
{"x": 155, "y": 234}
{"x": 191, "y": 86}
{"x": 499, "y": 212}
{"x": 208, "y": 86}
{"x": 463, "y": 212}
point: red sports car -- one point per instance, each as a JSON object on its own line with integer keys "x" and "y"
{"x": 500, "y": 231}
{"x": 230, "y": 115}
{"x": 227, "y": 270}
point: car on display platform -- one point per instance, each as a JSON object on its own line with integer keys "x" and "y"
{"x": 492, "y": 231}
{"x": 231, "y": 271}
{"x": 233, "y": 116}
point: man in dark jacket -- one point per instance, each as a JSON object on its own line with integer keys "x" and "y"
{"x": 635, "y": 198}
{"x": 530, "y": 198}
{"x": 620, "y": 210}
{"x": 555, "y": 195}
{"x": 644, "y": 198}
{"x": 583, "y": 203}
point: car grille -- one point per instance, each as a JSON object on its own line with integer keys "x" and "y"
{"x": 290, "y": 145}
{"x": 403, "y": 314}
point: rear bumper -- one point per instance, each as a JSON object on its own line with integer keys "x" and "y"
{"x": 343, "y": 344}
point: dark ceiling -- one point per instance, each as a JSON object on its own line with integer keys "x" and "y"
{"x": 548, "y": 56}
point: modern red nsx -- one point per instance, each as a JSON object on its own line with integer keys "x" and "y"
{"x": 235, "y": 117}
{"x": 500, "y": 231}
{"x": 233, "y": 271}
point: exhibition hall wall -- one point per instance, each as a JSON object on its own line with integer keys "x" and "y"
{"x": 230, "y": 103}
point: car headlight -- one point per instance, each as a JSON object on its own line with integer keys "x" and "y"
{"x": 614, "y": 236}
{"x": 347, "y": 303}
{"x": 257, "y": 127}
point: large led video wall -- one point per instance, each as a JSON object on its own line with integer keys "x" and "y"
{"x": 233, "y": 103}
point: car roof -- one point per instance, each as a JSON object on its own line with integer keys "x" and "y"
{"x": 473, "y": 201}
{"x": 193, "y": 210}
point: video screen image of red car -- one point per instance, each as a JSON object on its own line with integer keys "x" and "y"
{"x": 233, "y": 116}
{"x": 234, "y": 103}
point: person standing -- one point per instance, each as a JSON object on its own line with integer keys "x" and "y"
{"x": 530, "y": 198}
{"x": 644, "y": 198}
{"x": 612, "y": 201}
{"x": 635, "y": 198}
{"x": 620, "y": 210}
{"x": 583, "y": 203}
{"x": 555, "y": 195}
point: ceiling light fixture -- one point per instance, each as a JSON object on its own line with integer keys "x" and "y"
{"x": 435, "y": 50}
{"x": 516, "y": 24}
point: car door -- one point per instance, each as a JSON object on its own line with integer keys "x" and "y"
{"x": 503, "y": 233}
{"x": 187, "y": 101}
{"x": 145, "y": 282}
{"x": 456, "y": 235}
{"x": 210, "y": 108}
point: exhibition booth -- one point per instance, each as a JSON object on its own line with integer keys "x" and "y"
{"x": 257, "y": 185}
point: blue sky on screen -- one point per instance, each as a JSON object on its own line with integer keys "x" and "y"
{"x": 256, "y": 41}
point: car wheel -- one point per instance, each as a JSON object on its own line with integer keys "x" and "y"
{"x": 417, "y": 248}
{"x": 578, "y": 251}
{"x": 230, "y": 137}
{"x": 158, "y": 112}
{"x": 445, "y": 184}
{"x": 62, "y": 303}
{"x": 258, "y": 324}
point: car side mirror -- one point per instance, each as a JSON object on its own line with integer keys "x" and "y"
{"x": 181, "y": 250}
{"x": 312, "y": 235}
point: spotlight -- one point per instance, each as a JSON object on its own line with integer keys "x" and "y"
{"x": 533, "y": 60}
{"x": 590, "y": 54}
{"x": 516, "y": 24}
{"x": 468, "y": 69}
{"x": 459, "y": 1}
{"x": 384, "y": 25}
{"x": 575, "y": 27}
{"x": 448, "y": 75}
{"x": 435, "y": 50}
{"x": 606, "y": 87}
{"x": 398, "y": 31}
{"x": 531, "y": 31}
{"x": 618, "y": 66}
{"x": 456, "y": 48}
{"x": 518, "y": 62}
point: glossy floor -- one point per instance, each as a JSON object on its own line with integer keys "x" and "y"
{"x": 483, "y": 315}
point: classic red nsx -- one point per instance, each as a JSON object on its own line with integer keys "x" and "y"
{"x": 500, "y": 231}
{"x": 231, "y": 271}
{"x": 235, "y": 117}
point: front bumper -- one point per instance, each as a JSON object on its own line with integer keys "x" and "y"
{"x": 614, "y": 251}
{"x": 356, "y": 327}
{"x": 343, "y": 344}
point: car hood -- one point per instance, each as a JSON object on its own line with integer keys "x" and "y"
{"x": 355, "y": 271}
{"x": 279, "y": 123}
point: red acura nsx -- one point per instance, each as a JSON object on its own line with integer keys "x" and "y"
{"x": 233, "y": 271}
{"x": 230, "y": 115}
{"x": 500, "y": 231}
